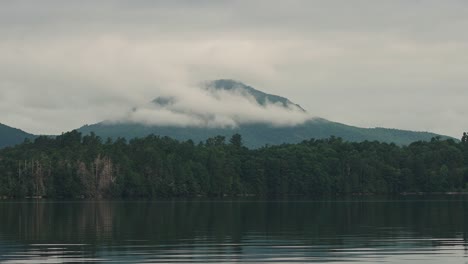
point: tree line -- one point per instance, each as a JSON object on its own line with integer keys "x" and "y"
{"x": 72, "y": 165}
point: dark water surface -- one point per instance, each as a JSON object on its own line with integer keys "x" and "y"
{"x": 357, "y": 230}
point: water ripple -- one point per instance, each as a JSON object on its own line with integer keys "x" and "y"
{"x": 251, "y": 250}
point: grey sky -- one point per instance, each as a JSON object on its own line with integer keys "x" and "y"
{"x": 401, "y": 64}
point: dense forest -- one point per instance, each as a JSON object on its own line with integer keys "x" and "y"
{"x": 72, "y": 165}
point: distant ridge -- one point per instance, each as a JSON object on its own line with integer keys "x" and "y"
{"x": 254, "y": 134}
{"x": 10, "y": 136}
{"x": 258, "y": 134}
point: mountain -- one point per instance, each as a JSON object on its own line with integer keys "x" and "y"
{"x": 256, "y": 134}
{"x": 10, "y": 136}
{"x": 235, "y": 87}
{"x": 261, "y": 97}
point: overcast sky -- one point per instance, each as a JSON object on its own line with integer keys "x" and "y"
{"x": 399, "y": 64}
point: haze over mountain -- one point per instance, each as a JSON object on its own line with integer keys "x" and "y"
{"x": 229, "y": 107}
{"x": 64, "y": 64}
{"x": 225, "y": 107}
{"x": 259, "y": 96}
{"x": 216, "y": 104}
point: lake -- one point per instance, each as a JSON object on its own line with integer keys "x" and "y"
{"x": 406, "y": 229}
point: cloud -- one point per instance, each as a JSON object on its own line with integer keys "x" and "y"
{"x": 213, "y": 108}
{"x": 102, "y": 77}
{"x": 399, "y": 64}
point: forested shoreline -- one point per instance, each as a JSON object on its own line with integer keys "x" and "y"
{"x": 72, "y": 165}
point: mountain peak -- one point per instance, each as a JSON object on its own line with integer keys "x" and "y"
{"x": 227, "y": 84}
{"x": 262, "y": 98}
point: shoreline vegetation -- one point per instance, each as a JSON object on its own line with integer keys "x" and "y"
{"x": 82, "y": 197}
{"x": 86, "y": 167}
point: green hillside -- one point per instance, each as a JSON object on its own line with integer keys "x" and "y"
{"x": 10, "y": 136}
{"x": 258, "y": 135}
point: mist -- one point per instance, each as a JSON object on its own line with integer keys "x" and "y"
{"x": 397, "y": 64}
{"x": 200, "y": 107}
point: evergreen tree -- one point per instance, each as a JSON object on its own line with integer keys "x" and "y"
{"x": 72, "y": 165}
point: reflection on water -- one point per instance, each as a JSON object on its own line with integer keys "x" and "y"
{"x": 412, "y": 230}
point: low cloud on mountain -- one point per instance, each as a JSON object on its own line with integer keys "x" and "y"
{"x": 398, "y": 64}
{"x": 213, "y": 108}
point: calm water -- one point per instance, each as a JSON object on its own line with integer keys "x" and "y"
{"x": 400, "y": 230}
